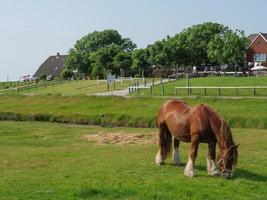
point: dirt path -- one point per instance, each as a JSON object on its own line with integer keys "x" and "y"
{"x": 125, "y": 92}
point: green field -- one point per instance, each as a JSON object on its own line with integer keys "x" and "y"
{"x": 50, "y": 161}
{"x": 78, "y": 87}
{"x": 169, "y": 88}
{"x": 118, "y": 111}
{"x": 10, "y": 84}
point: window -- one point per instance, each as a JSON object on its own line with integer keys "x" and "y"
{"x": 259, "y": 57}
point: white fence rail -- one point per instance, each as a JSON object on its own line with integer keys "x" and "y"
{"x": 219, "y": 88}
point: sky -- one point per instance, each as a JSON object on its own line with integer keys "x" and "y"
{"x": 32, "y": 30}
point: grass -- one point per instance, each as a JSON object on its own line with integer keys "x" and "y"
{"x": 49, "y": 161}
{"x": 79, "y": 87}
{"x": 169, "y": 88}
{"x": 118, "y": 111}
{"x": 10, "y": 84}
{"x": 76, "y": 87}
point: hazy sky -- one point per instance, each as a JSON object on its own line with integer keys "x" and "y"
{"x": 31, "y": 30}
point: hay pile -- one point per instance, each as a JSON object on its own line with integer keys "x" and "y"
{"x": 122, "y": 138}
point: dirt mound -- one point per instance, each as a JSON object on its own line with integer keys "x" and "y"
{"x": 122, "y": 138}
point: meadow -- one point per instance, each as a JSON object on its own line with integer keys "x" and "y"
{"x": 10, "y": 84}
{"x": 73, "y": 87}
{"x": 42, "y": 160}
{"x": 119, "y": 111}
{"x": 220, "y": 81}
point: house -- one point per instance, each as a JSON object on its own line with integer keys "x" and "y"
{"x": 257, "y": 49}
{"x": 52, "y": 66}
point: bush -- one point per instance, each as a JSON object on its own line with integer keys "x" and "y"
{"x": 43, "y": 77}
{"x": 67, "y": 74}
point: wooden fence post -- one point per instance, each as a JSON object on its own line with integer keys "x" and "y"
{"x": 151, "y": 90}
{"x": 163, "y": 90}
{"x": 219, "y": 91}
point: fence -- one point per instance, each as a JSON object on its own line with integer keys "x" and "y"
{"x": 200, "y": 90}
{"x": 219, "y": 89}
{"x": 38, "y": 85}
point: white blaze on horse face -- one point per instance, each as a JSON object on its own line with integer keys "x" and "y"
{"x": 189, "y": 168}
{"x": 176, "y": 156}
{"x": 159, "y": 159}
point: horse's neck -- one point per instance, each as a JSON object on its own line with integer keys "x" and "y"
{"x": 224, "y": 139}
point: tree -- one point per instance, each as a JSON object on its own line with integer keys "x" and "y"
{"x": 179, "y": 52}
{"x": 102, "y": 61}
{"x": 122, "y": 63}
{"x": 197, "y": 39}
{"x": 228, "y": 48}
{"x": 67, "y": 74}
{"x": 94, "y": 49}
{"x": 140, "y": 63}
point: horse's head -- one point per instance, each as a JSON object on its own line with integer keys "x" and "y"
{"x": 227, "y": 161}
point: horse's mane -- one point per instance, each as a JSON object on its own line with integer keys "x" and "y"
{"x": 224, "y": 128}
{"x": 214, "y": 111}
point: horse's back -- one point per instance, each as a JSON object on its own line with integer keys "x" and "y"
{"x": 169, "y": 107}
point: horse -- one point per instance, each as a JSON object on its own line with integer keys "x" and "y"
{"x": 197, "y": 124}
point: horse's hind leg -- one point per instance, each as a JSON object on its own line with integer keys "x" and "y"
{"x": 175, "y": 153}
{"x": 211, "y": 166}
{"x": 165, "y": 143}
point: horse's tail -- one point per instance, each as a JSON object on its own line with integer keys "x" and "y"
{"x": 165, "y": 140}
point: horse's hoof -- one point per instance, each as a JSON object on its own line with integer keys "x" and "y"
{"x": 215, "y": 172}
{"x": 159, "y": 163}
{"x": 158, "y": 160}
{"x": 189, "y": 173}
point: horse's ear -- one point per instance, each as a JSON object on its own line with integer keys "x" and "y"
{"x": 236, "y": 146}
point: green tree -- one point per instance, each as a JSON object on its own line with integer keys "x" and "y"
{"x": 140, "y": 64}
{"x": 197, "y": 39}
{"x": 67, "y": 74}
{"x": 102, "y": 61}
{"x": 89, "y": 51}
{"x": 122, "y": 63}
{"x": 228, "y": 48}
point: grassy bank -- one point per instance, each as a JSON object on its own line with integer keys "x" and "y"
{"x": 131, "y": 112}
{"x": 49, "y": 161}
{"x": 169, "y": 88}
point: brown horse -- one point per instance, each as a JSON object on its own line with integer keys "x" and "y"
{"x": 198, "y": 124}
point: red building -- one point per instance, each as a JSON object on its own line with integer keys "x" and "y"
{"x": 257, "y": 50}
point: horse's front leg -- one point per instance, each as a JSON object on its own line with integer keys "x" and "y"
{"x": 189, "y": 168}
{"x": 211, "y": 166}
